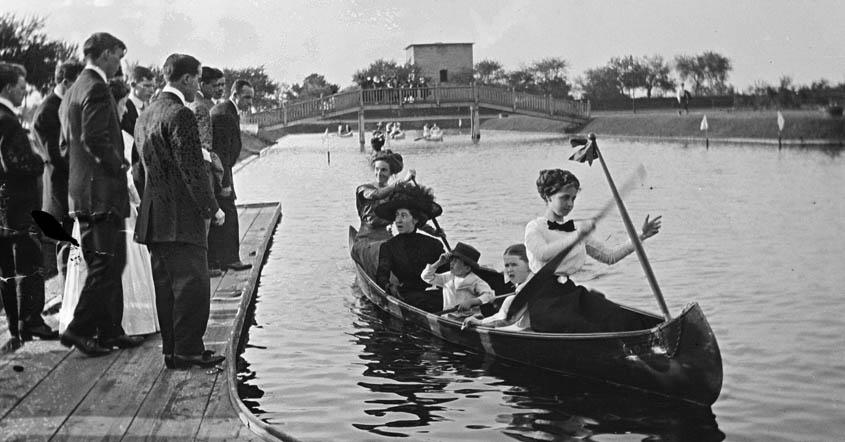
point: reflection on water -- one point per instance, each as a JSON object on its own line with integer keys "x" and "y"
{"x": 751, "y": 233}
{"x": 423, "y": 377}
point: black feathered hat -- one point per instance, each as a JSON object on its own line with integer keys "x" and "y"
{"x": 419, "y": 199}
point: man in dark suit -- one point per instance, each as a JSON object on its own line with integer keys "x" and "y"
{"x": 142, "y": 86}
{"x": 47, "y": 127}
{"x": 174, "y": 215}
{"x": 97, "y": 197}
{"x": 20, "y": 253}
{"x": 226, "y": 143}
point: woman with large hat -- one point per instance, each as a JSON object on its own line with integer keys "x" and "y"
{"x": 407, "y": 254}
{"x": 373, "y": 229}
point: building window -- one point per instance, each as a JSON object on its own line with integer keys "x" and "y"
{"x": 444, "y": 76}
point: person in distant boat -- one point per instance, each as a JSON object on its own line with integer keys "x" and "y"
{"x": 518, "y": 273}
{"x": 406, "y": 254}
{"x": 461, "y": 286}
{"x": 559, "y": 305}
{"x": 377, "y": 140}
{"x": 426, "y": 131}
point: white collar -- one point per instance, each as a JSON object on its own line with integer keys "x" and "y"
{"x": 139, "y": 105}
{"x": 59, "y": 93}
{"x": 5, "y": 102}
{"x": 234, "y": 104}
{"x": 99, "y": 71}
{"x": 175, "y": 92}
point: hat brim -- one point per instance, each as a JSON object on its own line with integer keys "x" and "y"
{"x": 472, "y": 264}
{"x": 388, "y": 210}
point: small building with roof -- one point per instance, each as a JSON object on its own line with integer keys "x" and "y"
{"x": 442, "y": 62}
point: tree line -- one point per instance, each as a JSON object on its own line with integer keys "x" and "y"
{"x": 22, "y": 40}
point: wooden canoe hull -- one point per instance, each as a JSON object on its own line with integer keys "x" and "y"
{"x": 678, "y": 359}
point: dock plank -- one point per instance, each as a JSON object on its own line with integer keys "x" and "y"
{"x": 129, "y": 395}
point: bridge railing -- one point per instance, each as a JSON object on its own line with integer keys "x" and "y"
{"x": 478, "y": 94}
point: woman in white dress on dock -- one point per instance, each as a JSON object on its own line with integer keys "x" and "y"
{"x": 139, "y": 302}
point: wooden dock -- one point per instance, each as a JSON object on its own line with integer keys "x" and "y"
{"x": 48, "y": 392}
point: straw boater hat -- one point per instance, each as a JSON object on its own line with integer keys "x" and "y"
{"x": 420, "y": 199}
{"x": 467, "y": 254}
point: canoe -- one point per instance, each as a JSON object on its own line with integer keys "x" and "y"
{"x": 678, "y": 359}
{"x": 435, "y": 137}
{"x": 345, "y": 134}
{"x": 398, "y": 135}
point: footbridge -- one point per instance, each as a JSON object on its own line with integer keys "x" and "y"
{"x": 343, "y": 107}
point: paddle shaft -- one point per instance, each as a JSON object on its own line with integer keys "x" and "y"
{"x": 455, "y": 308}
{"x": 437, "y": 225}
{"x": 635, "y": 239}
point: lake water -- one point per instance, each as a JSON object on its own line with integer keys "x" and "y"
{"x": 753, "y": 234}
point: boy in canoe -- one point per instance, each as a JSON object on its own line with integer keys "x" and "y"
{"x": 461, "y": 286}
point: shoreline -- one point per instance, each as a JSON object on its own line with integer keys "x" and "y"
{"x": 803, "y": 128}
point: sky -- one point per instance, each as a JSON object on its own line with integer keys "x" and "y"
{"x": 764, "y": 40}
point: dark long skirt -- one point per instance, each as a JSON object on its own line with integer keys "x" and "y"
{"x": 570, "y": 308}
{"x": 366, "y": 246}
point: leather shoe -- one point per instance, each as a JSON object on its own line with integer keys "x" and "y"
{"x": 123, "y": 341}
{"x": 237, "y": 265}
{"x": 213, "y": 273}
{"x": 206, "y": 359}
{"x": 86, "y": 345}
{"x": 41, "y": 331}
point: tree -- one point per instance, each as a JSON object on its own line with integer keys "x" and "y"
{"x": 656, "y": 74}
{"x": 387, "y": 69}
{"x": 709, "y": 67}
{"x": 23, "y": 41}
{"x": 490, "y": 72}
{"x": 632, "y": 72}
{"x": 521, "y": 80}
{"x": 313, "y": 86}
{"x": 601, "y": 83}
{"x": 266, "y": 90}
{"x": 550, "y": 76}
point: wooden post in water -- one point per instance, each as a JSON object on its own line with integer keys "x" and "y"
{"x": 361, "y": 141}
{"x": 475, "y": 127}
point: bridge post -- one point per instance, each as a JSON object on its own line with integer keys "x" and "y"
{"x": 437, "y": 93}
{"x": 475, "y": 123}
{"x": 322, "y": 106}
{"x": 284, "y": 114}
{"x": 361, "y": 141}
{"x": 549, "y": 103}
{"x": 513, "y": 94}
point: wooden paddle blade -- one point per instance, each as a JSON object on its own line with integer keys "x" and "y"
{"x": 51, "y": 227}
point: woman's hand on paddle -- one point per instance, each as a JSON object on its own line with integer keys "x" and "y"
{"x": 410, "y": 176}
{"x": 651, "y": 227}
{"x": 468, "y": 304}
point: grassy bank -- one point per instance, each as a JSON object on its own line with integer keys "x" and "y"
{"x": 762, "y": 125}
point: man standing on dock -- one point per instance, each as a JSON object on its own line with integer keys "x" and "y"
{"x": 97, "y": 197}
{"x": 174, "y": 215}
{"x": 20, "y": 253}
{"x": 226, "y": 141}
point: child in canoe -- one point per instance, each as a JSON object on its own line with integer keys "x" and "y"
{"x": 517, "y": 272}
{"x": 461, "y": 287}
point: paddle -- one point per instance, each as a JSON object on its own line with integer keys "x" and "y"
{"x": 51, "y": 227}
{"x": 588, "y": 151}
{"x": 532, "y": 286}
{"x": 418, "y": 138}
{"x": 455, "y": 308}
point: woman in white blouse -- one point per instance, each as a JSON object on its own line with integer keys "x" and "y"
{"x": 561, "y": 305}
